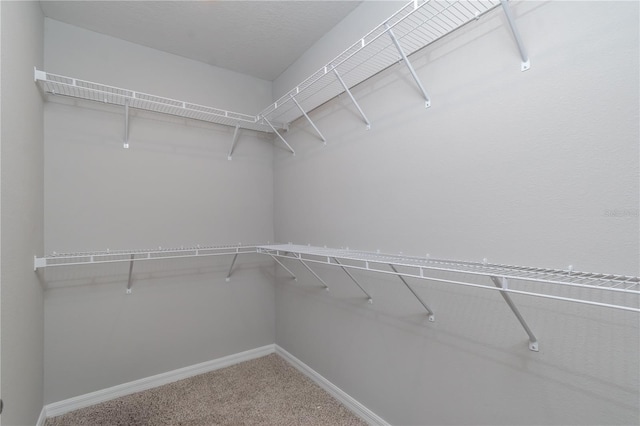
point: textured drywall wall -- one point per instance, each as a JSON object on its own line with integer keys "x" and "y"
{"x": 174, "y": 186}
{"x": 21, "y": 216}
{"x": 353, "y": 27}
{"x": 535, "y": 168}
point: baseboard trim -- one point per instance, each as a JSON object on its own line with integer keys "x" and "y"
{"x": 352, "y": 404}
{"x": 43, "y": 417}
{"x": 82, "y": 401}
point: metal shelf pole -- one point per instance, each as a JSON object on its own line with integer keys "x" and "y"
{"x": 233, "y": 141}
{"x": 346, "y": 89}
{"x": 326, "y": 287}
{"x": 284, "y": 267}
{"x": 427, "y": 102}
{"x": 369, "y": 299}
{"x": 233, "y": 262}
{"x": 432, "y": 317}
{"x": 279, "y": 135}
{"x": 130, "y": 275}
{"x": 308, "y": 119}
{"x": 526, "y": 64}
{"x": 502, "y": 283}
{"x": 126, "y": 123}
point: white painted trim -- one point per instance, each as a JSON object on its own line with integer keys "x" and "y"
{"x": 356, "y": 407}
{"x": 42, "y": 418}
{"x": 75, "y": 403}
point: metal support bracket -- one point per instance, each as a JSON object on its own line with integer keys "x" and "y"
{"x": 369, "y": 299}
{"x": 346, "y": 89}
{"x": 503, "y": 284}
{"x": 432, "y": 317}
{"x": 326, "y": 287}
{"x": 284, "y": 267}
{"x": 308, "y": 119}
{"x": 526, "y": 64}
{"x": 130, "y": 275}
{"x": 279, "y": 135}
{"x": 427, "y": 102}
{"x": 236, "y": 132}
{"x": 233, "y": 262}
{"x": 126, "y": 123}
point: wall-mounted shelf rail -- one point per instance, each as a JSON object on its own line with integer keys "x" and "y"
{"x": 131, "y": 256}
{"x": 81, "y": 89}
{"x": 414, "y": 26}
{"x": 603, "y": 290}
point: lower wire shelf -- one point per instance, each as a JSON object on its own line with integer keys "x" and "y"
{"x": 601, "y": 290}
{"x": 505, "y": 279}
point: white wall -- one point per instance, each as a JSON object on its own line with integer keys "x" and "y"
{"x": 21, "y": 213}
{"x": 174, "y": 186}
{"x": 536, "y": 168}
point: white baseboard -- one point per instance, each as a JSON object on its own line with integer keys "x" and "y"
{"x": 75, "y": 403}
{"x": 42, "y": 418}
{"x": 357, "y": 408}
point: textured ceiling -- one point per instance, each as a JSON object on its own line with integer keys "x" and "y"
{"x": 258, "y": 38}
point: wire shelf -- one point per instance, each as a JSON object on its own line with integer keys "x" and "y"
{"x": 416, "y": 25}
{"x": 80, "y": 89}
{"x": 113, "y": 256}
{"x": 421, "y": 268}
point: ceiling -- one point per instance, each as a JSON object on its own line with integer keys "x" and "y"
{"x": 258, "y": 38}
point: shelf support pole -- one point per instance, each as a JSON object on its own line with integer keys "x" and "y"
{"x": 308, "y": 119}
{"x": 427, "y": 100}
{"x": 126, "y": 123}
{"x": 279, "y": 135}
{"x": 130, "y": 275}
{"x": 284, "y": 267}
{"x": 526, "y": 64}
{"x": 233, "y": 262}
{"x": 236, "y": 132}
{"x": 369, "y": 299}
{"x": 502, "y": 283}
{"x": 346, "y": 89}
{"x": 432, "y": 317}
{"x": 326, "y": 287}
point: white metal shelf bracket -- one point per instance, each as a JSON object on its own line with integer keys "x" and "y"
{"x": 346, "y": 89}
{"x": 369, "y": 298}
{"x": 432, "y": 317}
{"x": 326, "y": 287}
{"x": 308, "y": 119}
{"x": 284, "y": 267}
{"x": 526, "y": 64}
{"x": 126, "y": 123}
{"x": 233, "y": 262}
{"x": 234, "y": 140}
{"x": 427, "y": 102}
{"x": 502, "y": 283}
{"x": 279, "y": 135}
{"x": 130, "y": 275}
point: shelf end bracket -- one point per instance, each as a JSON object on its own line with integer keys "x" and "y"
{"x": 502, "y": 283}
{"x": 526, "y": 63}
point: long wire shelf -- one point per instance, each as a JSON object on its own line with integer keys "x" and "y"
{"x": 417, "y": 267}
{"x": 414, "y": 26}
{"x": 59, "y": 85}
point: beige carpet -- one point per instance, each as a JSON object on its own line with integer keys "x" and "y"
{"x": 263, "y": 391}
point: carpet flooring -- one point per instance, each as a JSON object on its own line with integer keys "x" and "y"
{"x": 263, "y": 391}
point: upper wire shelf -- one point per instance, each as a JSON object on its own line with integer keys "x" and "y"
{"x": 416, "y": 25}
{"x": 417, "y": 267}
{"x": 81, "y": 89}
